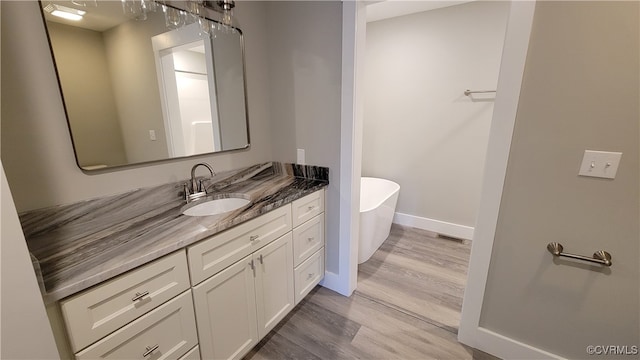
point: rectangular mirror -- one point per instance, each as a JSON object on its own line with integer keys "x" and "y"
{"x": 141, "y": 86}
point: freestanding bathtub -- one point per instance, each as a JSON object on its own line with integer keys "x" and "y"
{"x": 378, "y": 198}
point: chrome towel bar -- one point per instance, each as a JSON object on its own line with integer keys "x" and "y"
{"x": 599, "y": 257}
{"x": 469, "y": 92}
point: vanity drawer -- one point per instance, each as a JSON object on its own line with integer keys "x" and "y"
{"x": 307, "y": 239}
{"x": 104, "y": 308}
{"x": 308, "y": 274}
{"x": 167, "y": 332}
{"x": 193, "y": 354}
{"x": 209, "y": 256}
{"x": 307, "y": 207}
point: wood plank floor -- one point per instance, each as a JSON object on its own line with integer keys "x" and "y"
{"x": 407, "y": 306}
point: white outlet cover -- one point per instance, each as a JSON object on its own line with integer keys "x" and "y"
{"x": 601, "y": 164}
{"x": 300, "y": 157}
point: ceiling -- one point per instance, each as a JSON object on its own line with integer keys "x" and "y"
{"x": 105, "y": 15}
{"x": 392, "y": 8}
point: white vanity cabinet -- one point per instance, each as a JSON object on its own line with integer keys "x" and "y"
{"x": 241, "y": 304}
{"x": 308, "y": 243}
{"x": 216, "y": 301}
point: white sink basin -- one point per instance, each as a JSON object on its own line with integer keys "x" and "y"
{"x": 214, "y": 207}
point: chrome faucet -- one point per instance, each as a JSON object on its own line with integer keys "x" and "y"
{"x": 195, "y": 189}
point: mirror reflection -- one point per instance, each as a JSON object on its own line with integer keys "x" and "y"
{"x": 161, "y": 86}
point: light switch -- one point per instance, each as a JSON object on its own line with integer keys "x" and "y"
{"x": 301, "y": 159}
{"x": 602, "y": 164}
{"x": 152, "y": 135}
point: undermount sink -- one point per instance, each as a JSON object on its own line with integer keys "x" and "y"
{"x": 210, "y": 207}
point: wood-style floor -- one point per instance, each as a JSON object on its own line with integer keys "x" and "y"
{"x": 407, "y": 306}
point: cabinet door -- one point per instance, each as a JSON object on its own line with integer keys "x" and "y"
{"x": 274, "y": 283}
{"x": 226, "y": 312}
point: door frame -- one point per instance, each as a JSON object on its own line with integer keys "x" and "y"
{"x": 163, "y": 45}
{"x": 512, "y": 66}
{"x": 511, "y": 73}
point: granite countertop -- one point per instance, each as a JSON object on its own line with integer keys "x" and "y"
{"x": 76, "y": 246}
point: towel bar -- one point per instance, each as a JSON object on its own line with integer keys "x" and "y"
{"x": 599, "y": 257}
{"x": 469, "y": 92}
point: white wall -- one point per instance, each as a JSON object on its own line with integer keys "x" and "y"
{"x": 36, "y": 147}
{"x": 580, "y": 91}
{"x": 305, "y": 77}
{"x": 420, "y": 130}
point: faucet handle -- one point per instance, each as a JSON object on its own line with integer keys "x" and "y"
{"x": 186, "y": 190}
{"x": 201, "y": 186}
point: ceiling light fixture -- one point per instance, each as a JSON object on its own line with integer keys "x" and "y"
{"x": 65, "y": 12}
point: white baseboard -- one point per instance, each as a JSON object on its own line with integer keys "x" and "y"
{"x": 441, "y": 227}
{"x": 502, "y": 346}
{"x": 333, "y": 282}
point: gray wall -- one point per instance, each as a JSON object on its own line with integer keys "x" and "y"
{"x": 580, "y": 91}
{"x": 80, "y": 55}
{"x": 420, "y": 130}
{"x": 36, "y": 147}
{"x": 25, "y": 332}
{"x": 135, "y": 85}
{"x": 305, "y": 60}
{"x": 230, "y": 95}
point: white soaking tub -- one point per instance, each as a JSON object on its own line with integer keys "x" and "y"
{"x": 378, "y": 198}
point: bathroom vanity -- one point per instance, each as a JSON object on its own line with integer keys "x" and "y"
{"x": 210, "y": 294}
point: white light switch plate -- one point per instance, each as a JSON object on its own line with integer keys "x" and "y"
{"x": 602, "y": 164}
{"x": 301, "y": 159}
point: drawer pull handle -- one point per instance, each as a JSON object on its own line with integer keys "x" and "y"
{"x": 253, "y": 237}
{"x": 261, "y": 260}
{"x": 311, "y": 208}
{"x": 150, "y": 350}
{"x": 310, "y": 239}
{"x": 310, "y": 276}
{"x": 253, "y": 266}
{"x": 139, "y": 296}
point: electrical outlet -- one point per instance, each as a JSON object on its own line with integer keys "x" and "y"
{"x": 152, "y": 135}
{"x": 301, "y": 159}
{"x": 602, "y": 164}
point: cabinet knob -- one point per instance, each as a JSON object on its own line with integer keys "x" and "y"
{"x": 253, "y": 237}
{"x": 150, "y": 350}
{"x": 310, "y": 276}
{"x": 311, "y": 208}
{"x": 310, "y": 239}
{"x": 139, "y": 296}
